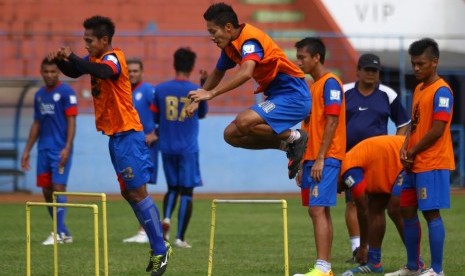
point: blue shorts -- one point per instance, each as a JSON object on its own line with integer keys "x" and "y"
{"x": 130, "y": 158}
{"x": 153, "y": 151}
{"x": 432, "y": 189}
{"x": 321, "y": 193}
{"x": 287, "y": 107}
{"x": 398, "y": 185}
{"x": 182, "y": 170}
{"x": 48, "y": 172}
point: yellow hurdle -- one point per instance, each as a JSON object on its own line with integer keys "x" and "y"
{"x": 103, "y": 198}
{"x": 94, "y": 207}
{"x": 248, "y": 201}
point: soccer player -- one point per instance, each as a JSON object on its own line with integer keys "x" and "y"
{"x": 428, "y": 157}
{"x": 373, "y": 172}
{"x": 265, "y": 125}
{"x": 54, "y": 125}
{"x": 117, "y": 118}
{"x": 142, "y": 98}
{"x": 325, "y": 150}
{"x": 179, "y": 143}
{"x": 369, "y": 106}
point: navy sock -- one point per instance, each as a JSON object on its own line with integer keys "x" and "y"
{"x": 374, "y": 255}
{"x": 184, "y": 215}
{"x": 437, "y": 235}
{"x": 61, "y": 215}
{"x": 412, "y": 237}
{"x": 148, "y": 216}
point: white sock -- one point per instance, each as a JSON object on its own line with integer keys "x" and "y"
{"x": 354, "y": 242}
{"x": 323, "y": 266}
{"x": 295, "y": 135}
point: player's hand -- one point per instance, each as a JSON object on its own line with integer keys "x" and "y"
{"x": 298, "y": 178}
{"x": 25, "y": 165}
{"x": 200, "y": 95}
{"x": 191, "y": 109}
{"x": 65, "y": 52}
{"x": 317, "y": 169}
{"x": 406, "y": 159}
{"x": 151, "y": 138}
{"x": 64, "y": 156}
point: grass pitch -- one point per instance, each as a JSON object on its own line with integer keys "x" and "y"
{"x": 248, "y": 241}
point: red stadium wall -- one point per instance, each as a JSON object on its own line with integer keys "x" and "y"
{"x": 152, "y": 30}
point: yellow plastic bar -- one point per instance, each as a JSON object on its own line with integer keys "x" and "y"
{"x": 103, "y": 197}
{"x": 94, "y": 207}
{"x": 249, "y": 201}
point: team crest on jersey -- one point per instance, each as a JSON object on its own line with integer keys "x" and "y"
{"x": 335, "y": 95}
{"x": 56, "y": 97}
{"x": 267, "y": 106}
{"x": 138, "y": 96}
{"x": 127, "y": 173}
{"x": 315, "y": 191}
{"x": 422, "y": 193}
{"x": 349, "y": 181}
{"x": 248, "y": 49}
{"x": 443, "y": 102}
{"x": 72, "y": 99}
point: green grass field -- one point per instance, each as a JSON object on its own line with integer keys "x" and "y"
{"x": 248, "y": 241}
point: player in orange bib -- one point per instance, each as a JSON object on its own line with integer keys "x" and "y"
{"x": 374, "y": 174}
{"x": 428, "y": 158}
{"x": 325, "y": 149}
{"x": 116, "y": 117}
{"x": 265, "y": 125}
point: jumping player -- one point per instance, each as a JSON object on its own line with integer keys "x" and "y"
{"x": 142, "y": 98}
{"x": 55, "y": 111}
{"x": 428, "y": 157}
{"x": 374, "y": 174}
{"x": 265, "y": 125}
{"x": 179, "y": 143}
{"x": 325, "y": 150}
{"x": 117, "y": 118}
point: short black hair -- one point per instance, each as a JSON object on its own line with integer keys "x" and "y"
{"x": 424, "y": 45}
{"x": 184, "y": 60}
{"x": 221, "y": 14}
{"x": 313, "y": 46}
{"x": 46, "y": 61}
{"x": 135, "y": 60}
{"x": 101, "y": 26}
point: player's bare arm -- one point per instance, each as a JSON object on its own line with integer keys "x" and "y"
{"x": 328, "y": 135}
{"x": 31, "y": 140}
{"x": 71, "y": 132}
{"x": 435, "y": 132}
{"x": 244, "y": 74}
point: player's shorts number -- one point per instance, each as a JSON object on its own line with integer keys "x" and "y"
{"x": 172, "y": 108}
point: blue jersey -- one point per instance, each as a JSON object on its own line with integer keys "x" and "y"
{"x": 142, "y": 98}
{"x": 51, "y": 107}
{"x": 367, "y": 116}
{"x": 178, "y": 133}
